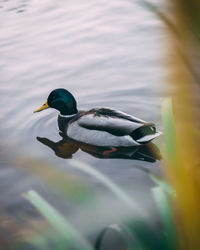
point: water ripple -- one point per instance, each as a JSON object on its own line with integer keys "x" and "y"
{"x": 104, "y": 52}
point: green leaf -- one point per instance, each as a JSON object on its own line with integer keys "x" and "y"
{"x": 164, "y": 208}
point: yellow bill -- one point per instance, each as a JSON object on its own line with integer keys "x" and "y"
{"x": 44, "y": 106}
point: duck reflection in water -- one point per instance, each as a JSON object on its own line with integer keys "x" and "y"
{"x": 66, "y": 147}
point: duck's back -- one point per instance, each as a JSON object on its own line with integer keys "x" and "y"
{"x": 108, "y": 127}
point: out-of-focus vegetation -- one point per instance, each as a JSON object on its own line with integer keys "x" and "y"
{"x": 177, "y": 196}
{"x": 182, "y": 127}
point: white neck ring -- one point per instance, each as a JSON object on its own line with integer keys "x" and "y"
{"x": 67, "y": 116}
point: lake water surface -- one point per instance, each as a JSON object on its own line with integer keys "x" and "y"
{"x": 106, "y": 53}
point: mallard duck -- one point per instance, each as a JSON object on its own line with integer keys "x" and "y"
{"x": 101, "y": 126}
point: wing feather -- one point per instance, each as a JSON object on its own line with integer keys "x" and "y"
{"x": 111, "y": 121}
{"x": 108, "y": 127}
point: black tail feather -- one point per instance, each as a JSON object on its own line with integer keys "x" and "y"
{"x": 143, "y": 131}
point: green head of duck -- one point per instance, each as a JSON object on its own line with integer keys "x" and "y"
{"x": 61, "y": 100}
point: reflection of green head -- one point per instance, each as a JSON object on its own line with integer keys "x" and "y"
{"x": 63, "y": 101}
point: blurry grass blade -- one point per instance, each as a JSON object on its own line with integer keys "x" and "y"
{"x": 108, "y": 183}
{"x": 164, "y": 208}
{"x": 153, "y": 8}
{"x": 47, "y": 238}
{"x": 177, "y": 34}
{"x": 71, "y": 235}
{"x": 66, "y": 184}
{"x": 162, "y": 184}
{"x": 170, "y": 132}
{"x": 159, "y": 181}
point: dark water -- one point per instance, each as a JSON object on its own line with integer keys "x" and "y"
{"x": 107, "y": 53}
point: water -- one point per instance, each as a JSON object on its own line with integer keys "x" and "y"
{"x": 107, "y": 53}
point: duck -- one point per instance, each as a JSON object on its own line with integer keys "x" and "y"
{"x": 99, "y": 126}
